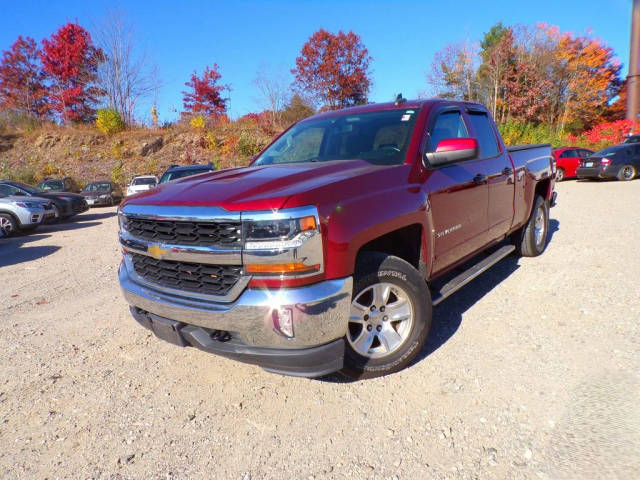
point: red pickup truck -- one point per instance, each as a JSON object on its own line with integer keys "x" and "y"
{"x": 324, "y": 254}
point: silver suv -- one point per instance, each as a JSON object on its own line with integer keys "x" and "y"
{"x": 22, "y": 213}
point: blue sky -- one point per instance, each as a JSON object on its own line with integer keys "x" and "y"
{"x": 244, "y": 36}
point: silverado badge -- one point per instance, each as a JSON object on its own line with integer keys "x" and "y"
{"x": 156, "y": 252}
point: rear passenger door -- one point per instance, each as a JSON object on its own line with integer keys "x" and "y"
{"x": 457, "y": 194}
{"x": 500, "y": 174}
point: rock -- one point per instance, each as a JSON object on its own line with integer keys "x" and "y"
{"x": 84, "y": 149}
{"x": 151, "y": 147}
{"x": 47, "y": 140}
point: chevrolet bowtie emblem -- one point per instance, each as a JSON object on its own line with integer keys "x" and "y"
{"x": 156, "y": 252}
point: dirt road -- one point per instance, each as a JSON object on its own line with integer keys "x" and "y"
{"x": 532, "y": 371}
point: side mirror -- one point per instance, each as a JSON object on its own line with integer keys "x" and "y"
{"x": 452, "y": 150}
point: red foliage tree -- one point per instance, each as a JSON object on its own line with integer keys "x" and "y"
{"x": 21, "y": 79}
{"x": 205, "y": 96}
{"x": 334, "y": 69}
{"x": 71, "y": 61}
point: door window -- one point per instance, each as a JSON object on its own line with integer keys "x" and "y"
{"x": 484, "y": 134}
{"x": 9, "y": 190}
{"x": 447, "y": 125}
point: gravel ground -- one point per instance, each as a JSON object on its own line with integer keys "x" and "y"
{"x": 531, "y": 371}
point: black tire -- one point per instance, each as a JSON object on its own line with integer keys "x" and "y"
{"x": 8, "y": 225}
{"x": 402, "y": 280}
{"x": 529, "y": 243}
{"x": 627, "y": 173}
{"x": 560, "y": 174}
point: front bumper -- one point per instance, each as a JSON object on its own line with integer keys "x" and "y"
{"x": 248, "y": 324}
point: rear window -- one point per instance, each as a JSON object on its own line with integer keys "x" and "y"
{"x": 51, "y": 185}
{"x": 143, "y": 181}
{"x": 168, "y": 176}
{"x": 484, "y": 134}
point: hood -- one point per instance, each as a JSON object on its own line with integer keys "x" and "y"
{"x": 22, "y": 198}
{"x": 57, "y": 195}
{"x": 262, "y": 187}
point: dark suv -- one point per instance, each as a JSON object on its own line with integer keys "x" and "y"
{"x": 66, "y": 184}
{"x": 179, "y": 171}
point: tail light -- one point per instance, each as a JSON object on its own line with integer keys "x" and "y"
{"x": 605, "y": 162}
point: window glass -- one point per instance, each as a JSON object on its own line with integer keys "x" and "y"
{"x": 8, "y": 189}
{"x": 484, "y": 134}
{"x": 565, "y": 154}
{"x": 380, "y": 137}
{"x": 447, "y": 125}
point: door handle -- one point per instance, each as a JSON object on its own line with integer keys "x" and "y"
{"x": 479, "y": 178}
{"x": 507, "y": 171}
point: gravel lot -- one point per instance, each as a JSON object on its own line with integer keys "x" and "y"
{"x": 532, "y": 371}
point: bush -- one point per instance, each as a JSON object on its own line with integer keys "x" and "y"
{"x": 605, "y": 134}
{"x": 109, "y": 121}
{"x": 516, "y": 133}
{"x": 118, "y": 175}
{"x": 197, "y": 122}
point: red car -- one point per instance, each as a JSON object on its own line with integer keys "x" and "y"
{"x": 567, "y": 160}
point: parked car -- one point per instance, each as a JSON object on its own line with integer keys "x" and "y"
{"x": 18, "y": 213}
{"x": 142, "y": 183}
{"x": 568, "y": 160}
{"x": 180, "y": 171}
{"x": 66, "y": 184}
{"x": 620, "y": 161}
{"x": 329, "y": 250}
{"x": 102, "y": 193}
{"x": 65, "y": 204}
{"x": 632, "y": 139}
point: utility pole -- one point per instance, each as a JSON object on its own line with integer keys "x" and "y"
{"x": 633, "y": 78}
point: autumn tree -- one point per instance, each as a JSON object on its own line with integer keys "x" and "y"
{"x": 205, "y": 94}
{"x": 21, "y": 79}
{"x": 497, "y": 52}
{"x": 126, "y": 75}
{"x": 334, "y": 69}
{"x": 70, "y": 61}
{"x": 453, "y": 72}
{"x": 297, "y": 109}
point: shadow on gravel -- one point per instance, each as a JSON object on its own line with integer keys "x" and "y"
{"x": 92, "y": 216}
{"x": 13, "y": 252}
{"x": 554, "y": 226}
{"x": 447, "y": 316}
{"x": 61, "y": 227}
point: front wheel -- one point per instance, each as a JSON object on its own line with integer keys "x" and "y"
{"x": 531, "y": 240}
{"x": 560, "y": 174}
{"x": 389, "y": 319}
{"x": 626, "y": 173}
{"x": 8, "y": 225}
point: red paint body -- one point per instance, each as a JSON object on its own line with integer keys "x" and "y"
{"x": 569, "y": 158}
{"x": 359, "y": 202}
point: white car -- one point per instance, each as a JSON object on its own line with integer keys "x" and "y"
{"x": 141, "y": 184}
{"x": 20, "y": 213}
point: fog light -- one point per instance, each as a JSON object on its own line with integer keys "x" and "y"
{"x": 283, "y": 321}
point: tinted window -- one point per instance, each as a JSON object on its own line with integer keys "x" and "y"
{"x": 569, "y": 153}
{"x": 9, "y": 190}
{"x": 484, "y": 134}
{"x": 98, "y": 186}
{"x": 447, "y": 125}
{"x": 168, "y": 176}
{"x": 143, "y": 181}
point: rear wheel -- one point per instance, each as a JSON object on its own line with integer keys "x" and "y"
{"x": 626, "y": 173}
{"x": 560, "y": 174}
{"x": 8, "y": 225}
{"x": 531, "y": 239}
{"x": 390, "y": 316}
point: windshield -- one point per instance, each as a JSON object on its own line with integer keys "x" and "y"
{"x": 28, "y": 188}
{"x": 168, "y": 176}
{"x": 97, "y": 186}
{"x": 632, "y": 139}
{"x": 51, "y": 185}
{"x": 379, "y": 137}
{"x": 607, "y": 152}
{"x": 144, "y": 181}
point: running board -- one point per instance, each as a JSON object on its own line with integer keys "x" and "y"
{"x": 465, "y": 277}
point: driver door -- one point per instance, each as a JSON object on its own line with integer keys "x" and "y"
{"x": 458, "y": 195}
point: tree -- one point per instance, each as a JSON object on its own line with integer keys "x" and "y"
{"x": 497, "y": 54}
{"x": 125, "y": 75}
{"x": 453, "y": 72}
{"x": 334, "y": 69}
{"x": 297, "y": 109}
{"x": 71, "y": 61}
{"x": 21, "y": 79}
{"x": 274, "y": 94}
{"x": 206, "y": 94}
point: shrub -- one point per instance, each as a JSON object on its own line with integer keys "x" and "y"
{"x": 197, "y": 122}
{"x": 605, "y": 134}
{"x": 118, "y": 175}
{"x": 109, "y": 121}
{"x": 515, "y": 133}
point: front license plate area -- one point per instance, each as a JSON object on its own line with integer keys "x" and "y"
{"x": 89, "y": 202}
{"x": 167, "y": 330}
{"x": 588, "y": 164}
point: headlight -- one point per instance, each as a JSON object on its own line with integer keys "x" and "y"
{"x": 122, "y": 221}
{"x": 28, "y": 205}
{"x": 283, "y": 243}
{"x": 104, "y": 196}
